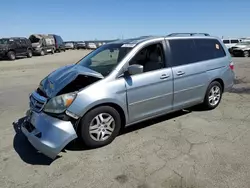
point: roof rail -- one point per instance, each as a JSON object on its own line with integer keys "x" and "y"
{"x": 190, "y": 34}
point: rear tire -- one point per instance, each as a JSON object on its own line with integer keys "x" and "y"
{"x": 213, "y": 96}
{"x": 100, "y": 126}
{"x": 29, "y": 53}
{"x": 11, "y": 55}
{"x": 246, "y": 53}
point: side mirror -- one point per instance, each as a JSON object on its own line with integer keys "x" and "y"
{"x": 135, "y": 69}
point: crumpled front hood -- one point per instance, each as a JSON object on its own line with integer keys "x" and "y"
{"x": 61, "y": 77}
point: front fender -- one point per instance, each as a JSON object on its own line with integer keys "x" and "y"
{"x": 112, "y": 92}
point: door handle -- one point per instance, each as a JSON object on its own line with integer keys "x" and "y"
{"x": 164, "y": 76}
{"x": 179, "y": 73}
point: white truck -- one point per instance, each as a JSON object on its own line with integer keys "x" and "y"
{"x": 231, "y": 42}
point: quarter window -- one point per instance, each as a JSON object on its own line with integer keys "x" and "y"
{"x": 209, "y": 49}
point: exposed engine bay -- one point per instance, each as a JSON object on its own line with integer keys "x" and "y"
{"x": 79, "y": 83}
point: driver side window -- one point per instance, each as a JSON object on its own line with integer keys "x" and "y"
{"x": 150, "y": 57}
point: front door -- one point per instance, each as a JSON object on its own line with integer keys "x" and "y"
{"x": 151, "y": 92}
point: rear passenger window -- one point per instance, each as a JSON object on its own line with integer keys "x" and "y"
{"x": 183, "y": 52}
{"x": 234, "y": 41}
{"x": 22, "y": 42}
{"x": 209, "y": 49}
{"x": 226, "y": 41}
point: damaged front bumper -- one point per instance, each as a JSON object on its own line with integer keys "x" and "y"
{"x": 47, "y": 134}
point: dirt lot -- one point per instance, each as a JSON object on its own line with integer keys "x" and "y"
{"x": 185, "y": 149}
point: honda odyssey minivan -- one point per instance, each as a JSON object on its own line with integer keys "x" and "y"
{"x": 125, "y": 82}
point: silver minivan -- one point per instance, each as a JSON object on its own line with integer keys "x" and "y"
{"x": 125, "y": 82}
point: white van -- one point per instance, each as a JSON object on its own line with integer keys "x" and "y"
{"x": 230, "y": 42}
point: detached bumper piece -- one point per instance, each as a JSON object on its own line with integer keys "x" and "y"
{"x": 47, "y": 134}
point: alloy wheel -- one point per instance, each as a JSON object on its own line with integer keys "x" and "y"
{"x": 101, "y": 127}
{"x": 214, "y": 95}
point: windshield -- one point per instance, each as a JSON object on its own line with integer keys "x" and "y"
{"x": 4, "y": 41}
{"x": 34, "y": 39}
{"x": 105, "y": 58}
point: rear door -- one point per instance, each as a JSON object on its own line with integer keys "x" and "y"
{"x": 18, "y": 46}
{"x": 189, "y": 73}
{"x": 23, "y": 49}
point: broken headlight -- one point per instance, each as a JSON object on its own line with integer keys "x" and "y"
{"x": 59, "y": 103}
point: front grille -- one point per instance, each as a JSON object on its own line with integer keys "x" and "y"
{"x": 37, "y": 102}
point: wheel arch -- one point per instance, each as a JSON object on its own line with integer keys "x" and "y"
{"x": 220, "y": 81}
{"x": 111, "y": 104}
{"x": 11, "y": 50}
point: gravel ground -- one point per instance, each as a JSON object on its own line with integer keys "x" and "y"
{"x": 186, "y": 149}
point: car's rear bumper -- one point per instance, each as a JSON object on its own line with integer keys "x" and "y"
{"x": 229, "y": 83}
{"x": 47, "y": 134}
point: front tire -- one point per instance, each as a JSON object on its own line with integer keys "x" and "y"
{"x": 42, "y": 53}
{"x": 11, "y": 55}
{"x": 100, "y": 126}
{"x": 213, "y": 96}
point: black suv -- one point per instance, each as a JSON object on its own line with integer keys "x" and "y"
{"x": 14, "y": 47}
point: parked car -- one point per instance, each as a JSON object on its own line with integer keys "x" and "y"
{"x": 125, "y": 82}
{"x": 231, "y": 42}
{"x": 98, "y": 44}
{"x": 59, "y": 44}
{"x": 14, "y": 47}
{"x": 91, "y": 46}
{"x": 69, "y": 45}
{"x": 42, "y": 44}
{"x": 80, "y": 45}
{"x": 241, "y": 49}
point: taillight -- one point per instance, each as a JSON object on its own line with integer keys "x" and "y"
{"x": 231, "y": 65}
